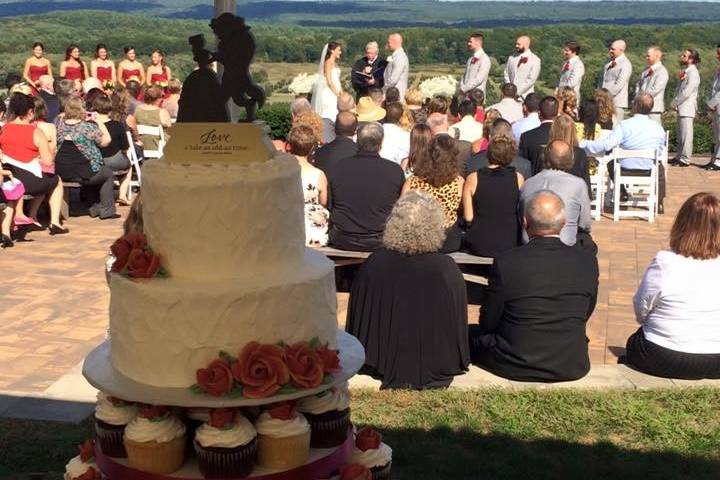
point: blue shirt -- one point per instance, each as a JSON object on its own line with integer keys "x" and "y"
{"x": 636, "y": 133}
{"x": 527, "y": 123}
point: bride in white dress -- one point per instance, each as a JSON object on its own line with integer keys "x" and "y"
{"x": 327, "y": 88}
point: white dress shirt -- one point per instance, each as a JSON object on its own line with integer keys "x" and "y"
{"x": 636, "y": 133}
{"x": 509, "y": 108}
{"x": 678, "y": 305}
{"x": 525, "y": 124}
{"x": 396, "y": 143}
{"x": 469, "y": 129}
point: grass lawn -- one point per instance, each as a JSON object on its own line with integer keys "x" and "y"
{"x": 488, "y": 434}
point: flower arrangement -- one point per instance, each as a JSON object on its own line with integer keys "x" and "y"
{"x": 264, "y": 370}
{"x": 161, "y": 83}
{"x": 108, "y": 85}
{"x": 134, "y": 258}
{"x": 302, "y": 84}
{"x": 443, "y": 86}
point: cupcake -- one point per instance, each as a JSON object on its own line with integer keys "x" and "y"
{"x": 329, "y": 416}
{"x": 354, "y": 471}
{"x": 82, "y": 467}
{"x": 283, "y": 437}
{"x": 155, "y": 440}
{"x": 111, "y": 417}
{"x": 370, "y": 452}
{"x": 226, "y": 446}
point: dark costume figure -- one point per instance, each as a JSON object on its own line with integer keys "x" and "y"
{"x": 202, "y": 98}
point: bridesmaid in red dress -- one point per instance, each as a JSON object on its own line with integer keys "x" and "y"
{"x": 73, "y": 68}
{"x": 102, "y": 67}
{"x": 158, "y": 73}
{"x": 37, "y": 65}
{"x": 130, "y": 68}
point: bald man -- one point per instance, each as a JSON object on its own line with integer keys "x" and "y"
{"x": 397, "y": 70}
{"x": 653, "y": 81}
{"x": 523, "y": 68}
{"x": 615, "y": 77}
{"x": 46, "y": 91}
{"x": 532, "y": 324}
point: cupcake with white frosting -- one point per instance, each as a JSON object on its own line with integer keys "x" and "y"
{"x": 82, "y": 466}
{"x": 329, "y": 416}
{"x": 155, "y": 440}
{"x": 372, "y": 453}
{"x": 111, "y": 416}
{"x": 226, "y": 445}
{"x": 283, "y": 437}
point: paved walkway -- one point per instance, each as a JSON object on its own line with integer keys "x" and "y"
{"x": 54, "y": 300}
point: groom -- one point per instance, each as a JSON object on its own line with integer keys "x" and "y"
{"x": 398, "y": 66}
{"x": 369, "y": 71}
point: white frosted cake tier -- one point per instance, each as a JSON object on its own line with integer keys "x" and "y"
{"x": 224, "y": 220}
{"x": 162, "y": 330}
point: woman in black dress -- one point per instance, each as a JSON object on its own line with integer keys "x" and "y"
{"x": 408, "y": 304}
{"x": 490, "y": 199}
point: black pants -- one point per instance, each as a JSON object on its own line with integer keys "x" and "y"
{"x": 635, "y": 172}
{"x": 663, "y": 362}
{"x": 34, "y": 185}
{"x": 354, "y": 243}
{"x": 98, "y": 192}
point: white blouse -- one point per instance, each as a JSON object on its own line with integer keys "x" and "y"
{"x": 678, "y": 303}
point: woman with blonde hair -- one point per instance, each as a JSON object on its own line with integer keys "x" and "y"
{"x": 414, "y": 103}
{"x": 677, "y": 304}
{"x": 482, "y": 145}
{"x": 568, "y": 102}
{"x": 563, "y": 128}
{"x": 606, "y": 108}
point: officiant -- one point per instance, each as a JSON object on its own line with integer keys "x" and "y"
{"x": 368, "y": 71}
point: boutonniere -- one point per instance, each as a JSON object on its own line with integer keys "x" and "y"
{"x": 566, "y": 67}
{"x": 389, "y": 59}
{"x": 682, "y": 74}
{"x": 474, "y": 60}
{"x": 650, "y": 72}
{"x": 522, "y": 60}
{"x": 613, "y": 64}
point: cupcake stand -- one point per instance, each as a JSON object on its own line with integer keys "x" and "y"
{"x": 322, "y": 463}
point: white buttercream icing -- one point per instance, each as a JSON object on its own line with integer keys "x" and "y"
{"x": 143, "y": 430}
{"x": 337, "y": 398}
{"x": 277, "y": 428}
{"x": 76, "y": 468}
{"x": 241, "y": 432}
{"x": 106, "y": 411}
{"x": 375, "y": 457}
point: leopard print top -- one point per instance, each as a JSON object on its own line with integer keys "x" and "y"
{"x": 448, "y": 196}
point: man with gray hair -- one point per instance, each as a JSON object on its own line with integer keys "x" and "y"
{"x": 46, "y": 91}
{"x": 541, "y": 295}
{"x": 299, "y": 105}
{"x": 368, "y": 71}
{"x": 439, "y": 125}
{"x": 363, "y": 193}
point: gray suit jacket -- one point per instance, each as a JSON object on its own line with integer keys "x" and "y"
{"x": 615, "y": 79}
{"x": 572, "y": 77}
{"x": 685, "y": 100}
{"x": 523, "y": 75}
{"x": 476, "y": 74}
{"x": 714, "y": 99}
{"x": 654, "y": 84}
{"x": 397, "y": 71}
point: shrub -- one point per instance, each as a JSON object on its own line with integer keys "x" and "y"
{"x": 278, "y": 118}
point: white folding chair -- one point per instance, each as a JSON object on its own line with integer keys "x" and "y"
{"x": 599, "y": 187}
{"x": 134, "y": 165}
{"x": 665, "y": 153}
{"x": 155, "y": 132}
{"x": 642, "y": 191}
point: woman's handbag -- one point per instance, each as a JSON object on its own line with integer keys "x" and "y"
{"x": 13, "y": 189}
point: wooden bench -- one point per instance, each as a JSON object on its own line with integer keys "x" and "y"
{"x": 65, "y": 209}
{"x": 347, "y": 257}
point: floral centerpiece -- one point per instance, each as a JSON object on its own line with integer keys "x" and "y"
{"x": 302, "y": 84}
{"x": 443, "y": 86}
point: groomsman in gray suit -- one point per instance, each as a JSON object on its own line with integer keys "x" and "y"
{"x": 573, "y": 70}
{"x": 477, "y": 68}
{"x": 653, "y": 81}
{"x": 685, "y": 104}
{"x": 713, "y": 105}
{"x": 523, "y": 69}
{"x": 398, "y": 66}
{"x": 616, "y": 76}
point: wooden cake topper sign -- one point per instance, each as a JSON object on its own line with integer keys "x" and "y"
{"x": 217, "y": 142}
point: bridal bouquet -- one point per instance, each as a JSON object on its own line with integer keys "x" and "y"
{"x": 443, "y": 86}
{"x": 302, "y": 84}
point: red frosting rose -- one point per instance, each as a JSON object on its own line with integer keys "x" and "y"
{"x": 87, "y": 450}
{"x": 261, "y": 370}
{"x": 220, "y": 417}
{"x": 306, "y": 367}
{"x": 142, "y": 264}
{"x": 368, "y": 439}
{"x": 354, "y": 471}
{"x": 282, "y": 411}
{"x": 330, "y": 359}
{"x": 123, "y": 246}
{"x": 217, "y": 379}
{"x": 152, "y": 411}
{"x": 90, "y": 474}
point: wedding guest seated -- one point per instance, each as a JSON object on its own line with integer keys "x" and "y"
{"x": 438, "y": 105}
{"x": 568, "y": 103}
{"x": 500, "y": 127}
{"x": 563, "y": 128}
{"x": 467, "y": 129}
{"x": 437, "y": 173}
{"x": 588, "y": 125}
{"x": 7, "y": 210}
{"x": 420, "y": 138}
{"x": 25, "y": 150}
{"x": 438, "y": 123}
{"x": 509, "y": 107}
{"x": 363, "y": 193}
{"x": 91, "y": 83}
{"x": 482, "y": 144}
{"x": 377, "y": 95}
{"x": 396, "y": 140}
{"x": 368, "y": 110}
{"x": 677, "y": 302}
{"x": 135, "y": 89}
{"x": 113, "y": 154}
{"x": 150, "y": 113}
{"x": 414, "y": 102}
{"x": 312, "y": 120}
{"x": 532, "y": 324}
{"x": 478, "y": 96}
{"x": 490, "y": 201}
{"x": 346, "y": 103}
{"x": 298, "y": 106}
{"x": 329, "y": 156}
{"x": 79, "y": 158}
{"x": 40, "y": 119}
{"x": 408, "y": 303}
{"x": 47, "y": 93}
{"x": 392, "y": 95}
{"x": 170, "y": 103}
{"x": 532, "y": 143}
{"x": 557, "y": 178}
{"x": 531, "y": 108}
{"x": 606, "y": 108}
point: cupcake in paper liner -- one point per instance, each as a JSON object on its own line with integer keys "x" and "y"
{"x": 283, "y": 437}
{"x": 111, "y": 416}
{"x": 226, "y": 445}
{"x": 329, "y": 416}
{"x": 155, "y": 441}
{"x": 371, "y": 452}
{"x": 82, "y": 467}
